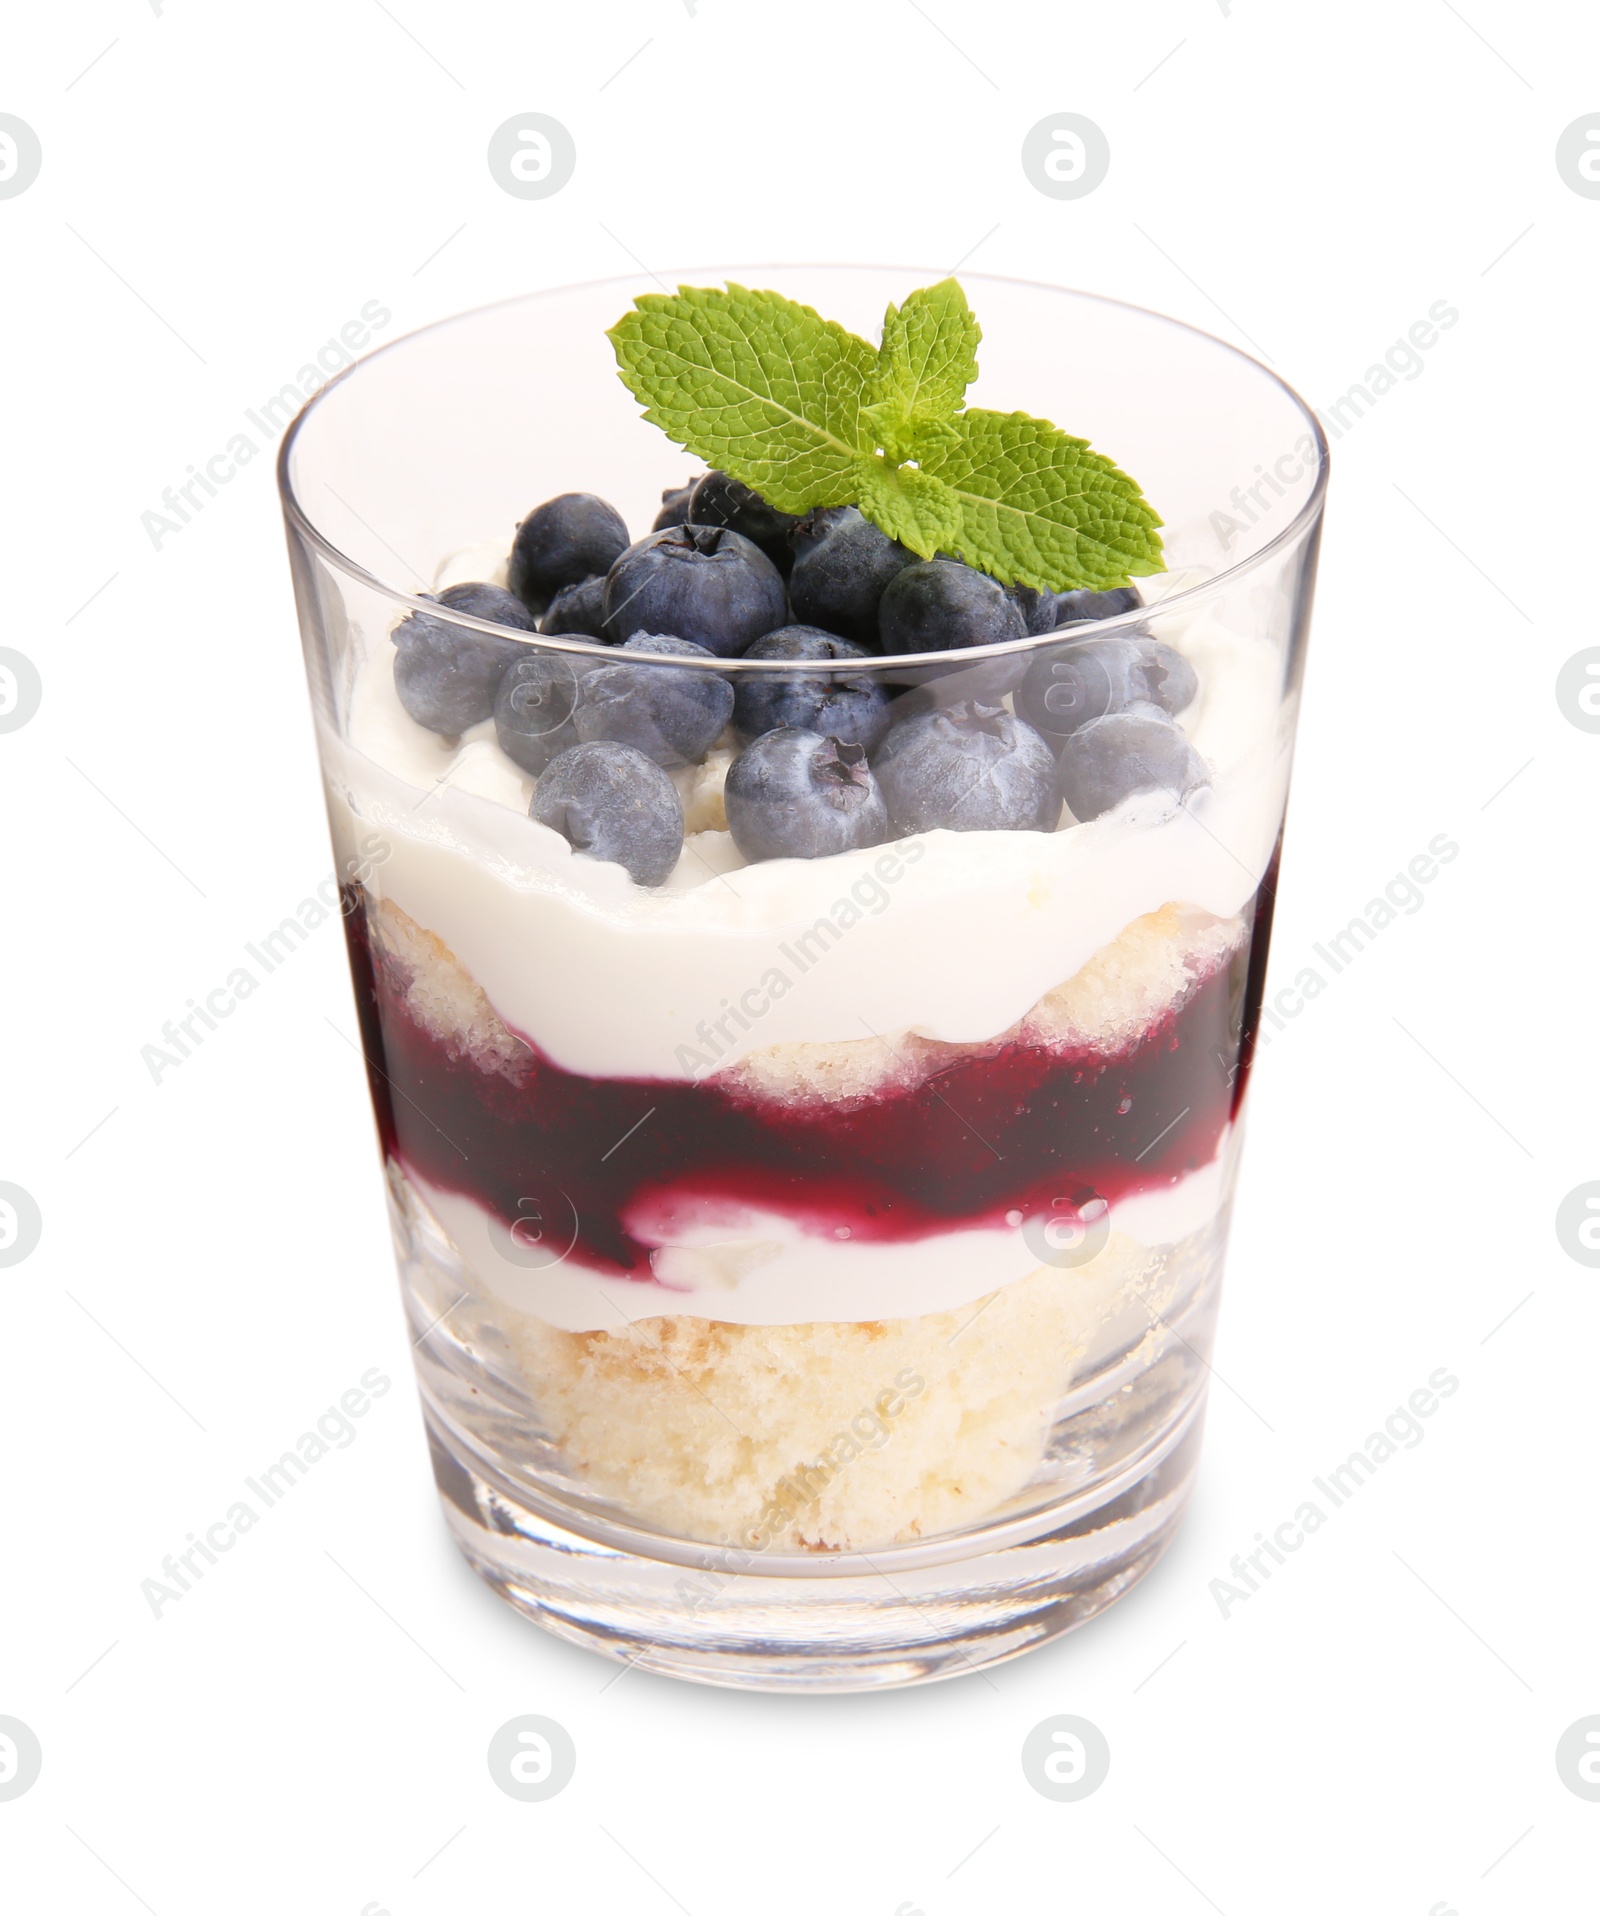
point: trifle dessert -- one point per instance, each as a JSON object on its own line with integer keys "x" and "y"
{"x": 807, "y": 957}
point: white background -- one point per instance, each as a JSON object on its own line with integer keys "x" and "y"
{"x": 1375, "y": 1729}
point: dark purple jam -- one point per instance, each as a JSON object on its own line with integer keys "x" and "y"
{"x": 1018, "y": 1127}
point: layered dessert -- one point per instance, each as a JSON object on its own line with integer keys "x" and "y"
{"x": 807, "y": 1092}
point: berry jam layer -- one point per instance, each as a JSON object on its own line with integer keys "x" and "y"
{"x": 982, "y": 1137}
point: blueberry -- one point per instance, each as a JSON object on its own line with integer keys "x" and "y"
{"x": 799, "y": 794}
{"x": 941, "y": 605}
{"x": 609, "y": 801}
{"x": 577, "y": 611}
{"x": 672, "y": 717}
{"x": 1111, "y": 758}
{"x": 480, "y": 601}
{"x": 1071, "y": 685}
{"x": 969, "y": 767}
{"x": 1038, "y": 609}
{"x": 1082, "y": 607}
{"x": 851, "y": 707}
{"x": 717, "y": 500}
{"x": 842, "y": 563}
{"x": 674, "y": 507}
{"x": 445, "y": 674}
{"x": 561, "y": 543}
{"x": 703, "y": 583}
{"x": 533, "y": 710}
{"x": 1173, "y": 681}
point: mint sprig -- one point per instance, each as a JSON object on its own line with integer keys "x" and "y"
{"x": 812, "y": 415}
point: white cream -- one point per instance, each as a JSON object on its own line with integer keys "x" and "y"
{"x": 483, "y": 564}
{"x": 951, "y": 935}
{"x": 761, "y": 1269}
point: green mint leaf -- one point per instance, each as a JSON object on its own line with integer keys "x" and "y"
{"x": 922, "y": 512}
{"x": 1040, "y": 507}
{"x": 926, "y": 363}
{"x": 752, "y": 383}
{"x": 811, "y": 415}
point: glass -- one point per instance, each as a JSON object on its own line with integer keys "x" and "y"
{"x": 812, "y": 1264}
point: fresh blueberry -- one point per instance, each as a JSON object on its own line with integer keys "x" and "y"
{"x": 673, "y": 717}
{"x": 563, "y": 542}
{"x": 674, "y": 507}
{"x": 1071, "y": 685}
{"x": 533, "y": 710}
{"x": 851, "y": 707}
{"x": 941, "y": 605}
{"x": 577, "y": 611}
{"x": 703, "y": 583}
{"x": 1173, "y": 681}
{"x": 969, "y": 767}
{"x": 799, "y": 794}
{"x": 609, "y": 801}
{"x": 1038, "y": 609}
{"x": 717, "y": 500}
{"x": 842, "y": 563}
{"x": 480, "y": 601}
{"x": 1111, "y": 758}
{"x": 446, "y": 674}
{"x": 1082, "y": 607}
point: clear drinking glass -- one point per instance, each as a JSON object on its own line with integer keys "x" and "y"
{"x": 812, "y": 1264}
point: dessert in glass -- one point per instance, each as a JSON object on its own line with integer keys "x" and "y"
{"x": 807, "y": 984}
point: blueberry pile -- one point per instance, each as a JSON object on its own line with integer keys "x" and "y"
{"x": 827, "y": 762}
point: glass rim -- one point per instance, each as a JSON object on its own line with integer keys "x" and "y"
{"x": 872, "y": 662}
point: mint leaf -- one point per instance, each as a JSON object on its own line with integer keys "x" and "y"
{"x": 811, "y": 415}
{"x": 910, "y": 505}
{"x": 1040, "y": 507}
{"x": 752, "y": 383}
{"x": 926, "y": 363}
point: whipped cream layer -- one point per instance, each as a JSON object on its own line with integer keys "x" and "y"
{"x": 952, "y": 935}
{"x": 766, "y": 1270}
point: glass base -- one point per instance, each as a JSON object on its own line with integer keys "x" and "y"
{"x": 904, "y": 1614}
